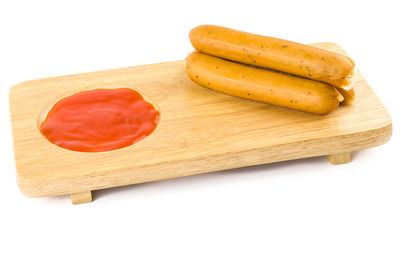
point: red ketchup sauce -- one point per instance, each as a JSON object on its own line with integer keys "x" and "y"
{"x": 100, "y": 120}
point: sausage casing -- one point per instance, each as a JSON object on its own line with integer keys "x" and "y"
{"x": 273, "y": 53}
{"x": 261, "y": 85}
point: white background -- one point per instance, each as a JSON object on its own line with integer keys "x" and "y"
{"x": 298, "y": 213}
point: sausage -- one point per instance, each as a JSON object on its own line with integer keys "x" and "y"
{"x": 261, "y": 85}
{"x": 348, "y": 95}
{"x": 277, "y": 54}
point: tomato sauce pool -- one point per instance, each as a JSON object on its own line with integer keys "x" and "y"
{"x": 100, "y": 120}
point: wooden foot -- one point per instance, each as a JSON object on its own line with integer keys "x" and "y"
{"x": 339, "y": 158}
{"x": 82, "y": 197}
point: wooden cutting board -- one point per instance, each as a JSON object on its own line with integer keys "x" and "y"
{"x": 199, "y": 131}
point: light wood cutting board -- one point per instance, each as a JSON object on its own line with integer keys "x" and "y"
{"x": 199, "y": 131}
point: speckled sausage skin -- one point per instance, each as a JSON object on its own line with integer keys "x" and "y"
{"x": 277, "y": 54}
{"x": 261, "y": 85}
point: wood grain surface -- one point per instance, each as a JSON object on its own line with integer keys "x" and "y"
{"x": 200, "y": 131}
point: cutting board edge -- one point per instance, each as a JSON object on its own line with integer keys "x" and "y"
{"x": 367, "y": 139}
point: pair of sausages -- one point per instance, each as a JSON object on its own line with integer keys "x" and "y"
{"x": 269, "y": 70}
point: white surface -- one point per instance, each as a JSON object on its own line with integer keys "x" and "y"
{"x": 299, "y": 213}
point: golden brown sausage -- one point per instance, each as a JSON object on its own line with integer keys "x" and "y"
{"x": 261, "y": 85}
{"x": 277, "y": 54}
{"x": 347, "y": 94}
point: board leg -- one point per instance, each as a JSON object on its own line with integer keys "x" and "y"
{"x": 339, "y": 158}
{"x": 81, "y": 197}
